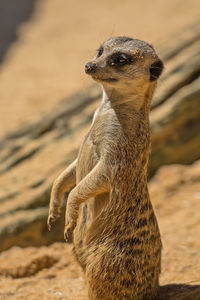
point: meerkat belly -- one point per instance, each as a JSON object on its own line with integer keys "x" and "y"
{"x": 87, "y": 159}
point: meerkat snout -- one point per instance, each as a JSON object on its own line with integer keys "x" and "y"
{"x": 90, "y": 68}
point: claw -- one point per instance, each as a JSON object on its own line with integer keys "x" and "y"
{"x": 53, "y": 216}
{"x": 68, "y": 233}
{"x": 51, "y": 220}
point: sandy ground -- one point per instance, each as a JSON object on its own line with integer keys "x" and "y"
{"x": 45, "y": 65}
{"x": 51, "y": 272}
{"x": 47, "y": 61}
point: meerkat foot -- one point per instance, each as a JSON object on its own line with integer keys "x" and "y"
{"x": 68, "y": 233}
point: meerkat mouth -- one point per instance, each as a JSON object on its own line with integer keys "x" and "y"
{"x": 105, "y": 79}
{"x": 110, "y": 79}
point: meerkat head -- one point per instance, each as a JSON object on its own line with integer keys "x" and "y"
{"x": 123, "y": 62}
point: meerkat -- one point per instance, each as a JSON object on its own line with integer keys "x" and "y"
{"x": 109, "y": 213}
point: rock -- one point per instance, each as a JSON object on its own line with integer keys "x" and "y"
{"x": 175, "y": 128}
{"x": 12, "y": 14}
{"x": 33, "y": 155}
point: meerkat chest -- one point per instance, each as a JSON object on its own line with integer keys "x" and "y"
{"x": 87, "y": 158}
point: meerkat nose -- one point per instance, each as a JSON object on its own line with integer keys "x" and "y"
{"x": 90, "y": 68}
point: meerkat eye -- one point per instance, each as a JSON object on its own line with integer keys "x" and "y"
{"x": 120, "y": 60}
{"x": 99, "y": 51}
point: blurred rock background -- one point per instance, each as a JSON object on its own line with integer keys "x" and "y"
{"x": 47, "y": 103}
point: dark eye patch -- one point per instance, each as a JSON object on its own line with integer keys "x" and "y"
{"x": 100, "y": 51}
{"x": 119, "y": 59}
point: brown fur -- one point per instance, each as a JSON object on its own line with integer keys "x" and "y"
{"x": 116, "y": 237}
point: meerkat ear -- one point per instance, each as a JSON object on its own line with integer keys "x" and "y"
{"x": 156, "y": 70}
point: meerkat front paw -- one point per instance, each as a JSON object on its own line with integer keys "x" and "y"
{"x": 68, "y": 233}
{"x": 51, "y": 220}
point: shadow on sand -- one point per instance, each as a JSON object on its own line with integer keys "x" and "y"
{"x": 179, "y": 292}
